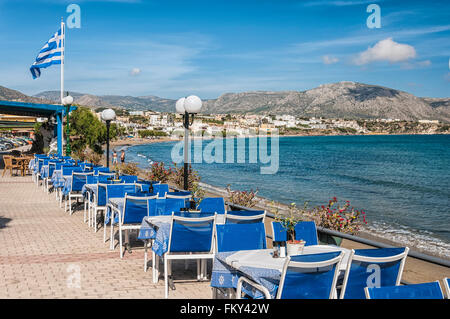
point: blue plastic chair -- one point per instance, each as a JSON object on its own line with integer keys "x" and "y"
{"x": 135, "y": 209}
{"x": 429, "y": 290}
{"x": 212, "y": 205}
{"x": 245, "y": 217}
{"x": 305, "y": 230}
{"x": 381, "y": 267}
{"x": 233, "y": 237}
{"x": 78, "y": 181}
{"x": 190, "y": 238}
{"x": 91, "y": 179}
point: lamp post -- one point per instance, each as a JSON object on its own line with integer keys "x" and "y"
{"x": 108, "y": 115}
{"x": 186, "y": 106}
{"x": 67, "y": 102}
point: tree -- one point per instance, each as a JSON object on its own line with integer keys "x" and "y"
{"x": 87, "y": 130}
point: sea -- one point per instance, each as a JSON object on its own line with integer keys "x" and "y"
{"x": 402, "y": 182}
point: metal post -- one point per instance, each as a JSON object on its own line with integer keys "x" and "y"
{"x": 68, "y": 150}
{"x": 59, "y": 131}
{"x": 107, "y": 143}
{"x": 186, "y": 150}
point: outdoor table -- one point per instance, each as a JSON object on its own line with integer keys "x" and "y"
{"x": 260, "y": 267}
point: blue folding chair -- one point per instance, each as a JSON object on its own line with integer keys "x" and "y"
{"x": 311, "y": 276}
{"x": 245, "y": 217}
{"x": 172, "y": 205}
{"x": 66, "y": 171}
{"x": 305, "y": 230}
{"x": 379, "y": 267}
{"x": 129, "y": 178}
{"x": 233, "y": 237}
{"x": 78, "y": 181}
{"x": 429, "y": 290}
{"x": 115, "y": 191}
{"x": 135, "y": 209}
{"x": 212, "y": 205}
{"x": 161, "y": 189}
{"x": 190, "y": 238}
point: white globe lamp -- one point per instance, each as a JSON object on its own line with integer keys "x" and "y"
{"x": 179, "y": 106}
{"x": 193, "y": 104}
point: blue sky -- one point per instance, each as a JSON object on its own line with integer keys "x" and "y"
{"x": 177, "y": 48}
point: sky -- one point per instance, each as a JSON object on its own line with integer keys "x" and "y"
{"x": 174, "y": 48}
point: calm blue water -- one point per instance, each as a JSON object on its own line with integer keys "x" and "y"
{"x": 402, "y": 182}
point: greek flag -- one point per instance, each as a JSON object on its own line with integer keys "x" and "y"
{"x": 49, "y": 54}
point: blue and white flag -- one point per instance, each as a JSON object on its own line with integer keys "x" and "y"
{"x": 51, "y": 53}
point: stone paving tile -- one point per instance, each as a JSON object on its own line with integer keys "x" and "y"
{"x": 46, "y": 253}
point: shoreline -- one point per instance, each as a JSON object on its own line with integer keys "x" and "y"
{"x": 364, "y": 232}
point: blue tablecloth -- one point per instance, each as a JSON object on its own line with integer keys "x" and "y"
{"x": 226, "y": 276}
{"x": 89, "y": 188}
{"x": 44, "y": 171}
{"x": 57, "y": 179}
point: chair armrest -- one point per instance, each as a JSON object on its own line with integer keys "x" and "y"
{"x": 253, "y": 284}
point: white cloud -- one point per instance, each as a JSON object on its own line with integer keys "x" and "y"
{"x": 386, "y": 50}
{"x": 329, "y": 59}
{"x": 135, "y": 71}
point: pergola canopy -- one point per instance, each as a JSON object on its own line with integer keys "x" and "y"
{"x": 38, "y": 110}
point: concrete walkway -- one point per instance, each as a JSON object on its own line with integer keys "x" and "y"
{"x": 46, "y": 253}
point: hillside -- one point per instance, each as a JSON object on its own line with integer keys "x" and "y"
{"x": 337, "y": 100}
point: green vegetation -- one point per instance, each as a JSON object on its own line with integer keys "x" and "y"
{"x": 86, "y": 130}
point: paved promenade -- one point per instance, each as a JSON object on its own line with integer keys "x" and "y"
{"x": 46, "y": 253}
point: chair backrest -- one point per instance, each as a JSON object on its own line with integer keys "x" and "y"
{"x": 79, "y": 180}
{"x": 109, "y": 174}
{"x": 279, "y": 233}
{"x": 304, "y": 230}
{"x": 311, "y": 276}
{"x": 428, "y": 290}
{"x": 119, "y": 190}
{"x": 185, "y": 195}
{"x": 212, "y": 205}
{"x": 245, "y": 217}
{"x": 91, "y": 179}
{"x": 129, "y": 178}
{"x": 8, "y": 160}
{"x": 101, "y": 194}
{"x": 135, "y": 209}
{"x": 173, "y": 205}
{"x": 232, "y": 237}
{"x": 161, "y": 189}
{"x": 379, "y": 267}
{"x": 68, "y": 170}
{"x": 192, "y": 234}
{"x": 307, "y": 231}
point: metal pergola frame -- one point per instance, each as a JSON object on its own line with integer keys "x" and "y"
{"x": 39, "y": 110}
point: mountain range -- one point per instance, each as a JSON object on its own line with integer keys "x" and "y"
{"x": 336, "y": 100}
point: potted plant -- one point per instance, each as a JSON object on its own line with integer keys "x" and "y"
{"x": 344, "y": 219}
{"x": 288, "y": 222}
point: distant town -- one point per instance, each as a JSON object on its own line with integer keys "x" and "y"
{"x": 155, "y": 124}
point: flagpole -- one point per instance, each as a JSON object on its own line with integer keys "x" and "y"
{"x": 63, "y": 47}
